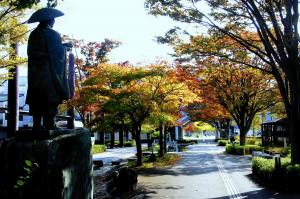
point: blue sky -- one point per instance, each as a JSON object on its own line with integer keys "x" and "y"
{"x": 124, "y": 20}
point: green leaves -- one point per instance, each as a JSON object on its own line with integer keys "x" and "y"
{"x": 28, "y": 169}
{"x": 28, "y": 163}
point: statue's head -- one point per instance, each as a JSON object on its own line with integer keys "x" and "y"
{"x": 49, "y": 22}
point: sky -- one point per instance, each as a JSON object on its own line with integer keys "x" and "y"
{"x": 124, "y": 20}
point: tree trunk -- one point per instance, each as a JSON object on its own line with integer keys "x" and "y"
{"x": 165, "y": 140}
{"x": 294, "y": 128}
{"x": 161, "y": 140}
{"x": 228, "y": 122}
{"x": 242, "y": 138}
{"x": 102, "y": 140}
{"x": 97, "y": 138}
{"x": 121, "y": 136}
{"x": 126, "y": 135}
{"x": 244, "y": 128}
{"x": 149, "y": 140}
{"x": 138, "y": 145}
{"x": 294, "y": 116}
{"x": 112, "y": 139}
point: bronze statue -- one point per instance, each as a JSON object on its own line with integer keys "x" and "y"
{"x": 47, "y": 73}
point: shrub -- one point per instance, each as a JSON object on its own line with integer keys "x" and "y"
{"x": 241, "y": 150}
{"x": 235, "y": 149}
{"x": 263, "y": 169}
{"x": 97, "y": 148}
{"x": 250, "y": 148}
{"x": 283, "y": 151}
{"x": 287, "y": 178}
{"x": 184, "y": 141}
{"x": 222, "y": 142}
{"x": 292, "y": 176}
{"x": 253, "y": 140}
{"x": 130, "y": 143}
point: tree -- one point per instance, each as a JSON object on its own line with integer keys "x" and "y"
{"x": 134, "y": 92}
{"x": 12, "y": 32}
{"x": 243, "y": 92}
{"x": 276, "y": 25}
{"x": 162, "y": 119}
{"x": 89, "y": 55}
{"x": 205, "y": 107}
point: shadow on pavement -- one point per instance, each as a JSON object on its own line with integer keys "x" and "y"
{"x": 194, "y": 164}
{"x": 190, "y": 164}
{"x": 264, "y": 194}
{"x": 143, "y": 192}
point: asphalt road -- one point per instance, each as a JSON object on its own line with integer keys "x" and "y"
{"x": 205, "y": 172}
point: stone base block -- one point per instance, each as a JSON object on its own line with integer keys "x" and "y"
{"x": 56, "y": 165}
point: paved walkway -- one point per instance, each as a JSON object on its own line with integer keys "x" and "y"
{"x": 115, "y": 154}
{"x": 205, "y": 172}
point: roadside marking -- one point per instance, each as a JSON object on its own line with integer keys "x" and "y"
{"x": 232, "y": 190}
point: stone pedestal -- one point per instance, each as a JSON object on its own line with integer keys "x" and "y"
{"x": 49, "y": 165}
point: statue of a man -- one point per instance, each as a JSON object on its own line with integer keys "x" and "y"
{"x": 47, "y": 74}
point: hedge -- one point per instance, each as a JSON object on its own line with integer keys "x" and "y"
{"x": 242, "y": 150}
{"x": 286, "y": 178}
{"x": 250, "y": 140}
{"x": 283, "y": 151}
{"x": 222, "y": 142}
{"x": 185, "y": 141}
{"x": 129, "y": 143}
{"x": 97, "y": 148}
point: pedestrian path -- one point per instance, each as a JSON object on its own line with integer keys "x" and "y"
{"x": 115, "y": 154}
{"x": 232, "y": 190}
{"x": 205, "y": 171}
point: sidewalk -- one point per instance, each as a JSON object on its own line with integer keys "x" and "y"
{"x": 116, "y": 154}
{"x": 203, "y": 172}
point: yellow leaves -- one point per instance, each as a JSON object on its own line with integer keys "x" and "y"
{"x": 136, "y": 91}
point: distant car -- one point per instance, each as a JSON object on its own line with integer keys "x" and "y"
{"x": 64, "y": 124}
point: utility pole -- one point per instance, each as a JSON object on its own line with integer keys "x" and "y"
{"x": 13, "y": 97}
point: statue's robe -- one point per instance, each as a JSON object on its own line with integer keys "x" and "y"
{"x": 47, "y": 72}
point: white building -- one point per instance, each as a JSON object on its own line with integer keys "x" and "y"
{"x": 24, "y": 120}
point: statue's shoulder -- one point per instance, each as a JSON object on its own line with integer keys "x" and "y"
{"x": 52, "y": 35}
{"x": 51, "y": 31}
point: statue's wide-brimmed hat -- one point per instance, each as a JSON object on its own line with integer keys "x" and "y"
{"x": 44, "y": 14}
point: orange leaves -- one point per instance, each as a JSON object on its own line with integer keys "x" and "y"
{"x": 137, "y": 92}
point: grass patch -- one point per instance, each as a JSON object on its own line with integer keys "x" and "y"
{"x": 166, "y": 161}
{"x": 97, "y": 148}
